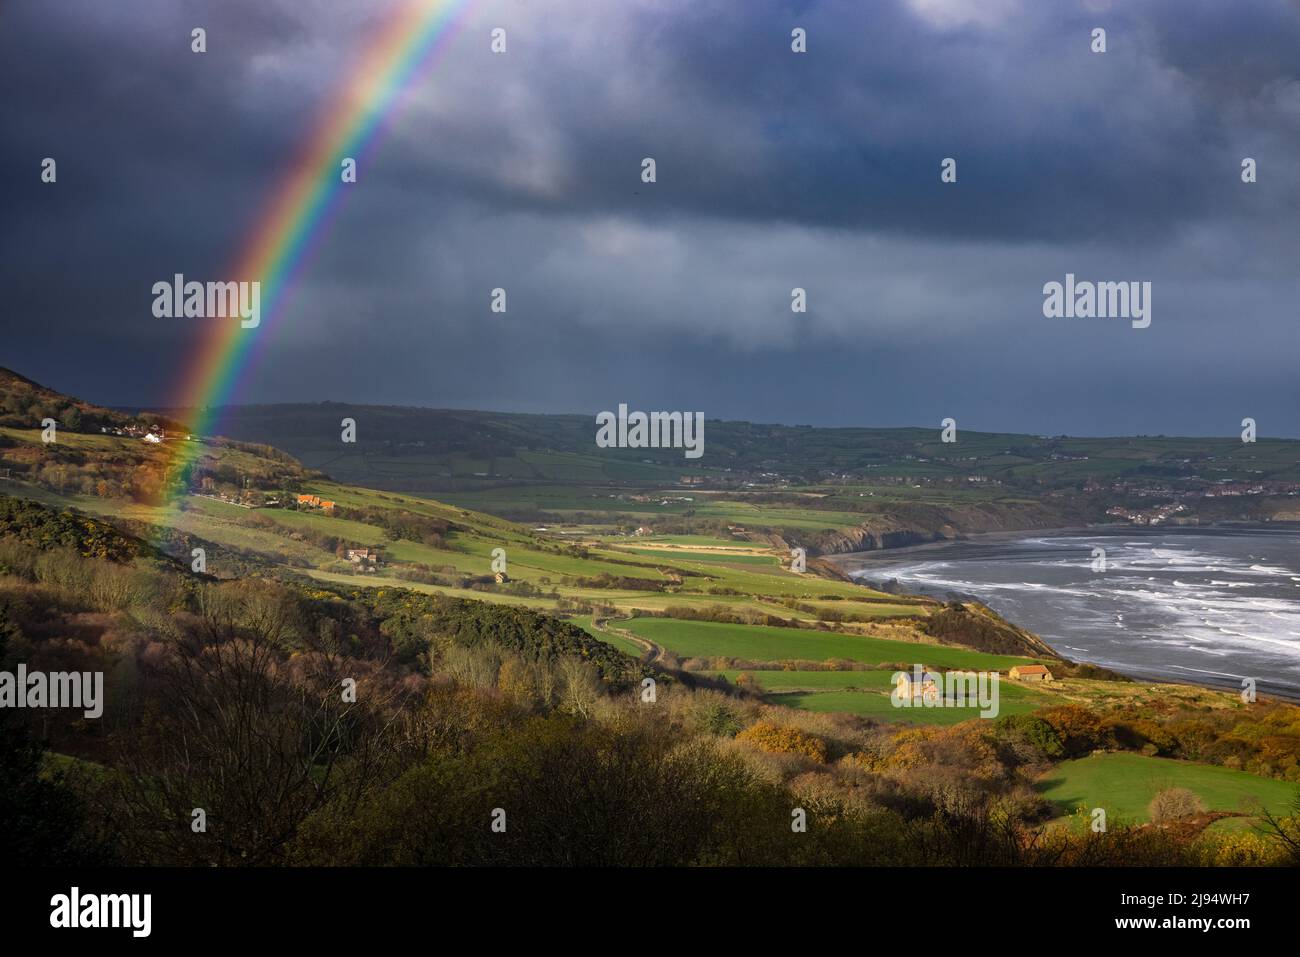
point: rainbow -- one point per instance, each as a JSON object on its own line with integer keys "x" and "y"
{"x": 351, "y": 125}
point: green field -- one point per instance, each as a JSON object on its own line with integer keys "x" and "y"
{"x": 705, "y": 639}
{"x": 866, "y": 693}
{"x": 618, "y": 641}
{"x": 1124, "y": 785}
{"x": 564, "y": 511}
{"x": 879, "y": 707}
{"x": 682, "y": 557}
{"x": 707, "y": 541}
{"x": 814, "y": 680}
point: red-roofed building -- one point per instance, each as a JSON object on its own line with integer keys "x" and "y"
{"x": 1030, "y": 673}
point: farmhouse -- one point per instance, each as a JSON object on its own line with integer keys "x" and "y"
{"x": 917, "y": 684}
{"x": 1029, "y": 673}
{"x": 364, "y": 557}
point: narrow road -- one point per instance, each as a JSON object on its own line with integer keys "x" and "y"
{"x": 652, "y": 651}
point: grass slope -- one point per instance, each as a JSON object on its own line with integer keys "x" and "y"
{"x": 866, "y": 693}
{"x": 704, "y": 639}
{"x": 1124, "y": 785}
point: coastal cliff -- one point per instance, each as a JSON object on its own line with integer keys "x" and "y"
{"x": 920, "y": 525}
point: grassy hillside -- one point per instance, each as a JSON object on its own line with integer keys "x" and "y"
{"x": 829, "y": 490}
{"x": 1124, "y": 785}
{"x": 526, "y": 689}
{"x": 689, "y": 597}
{"x": 24, "y": 404}
{"x": 866, "y": 693}
{"x": 707, "y": 639}
{"x": 688, "y": 600}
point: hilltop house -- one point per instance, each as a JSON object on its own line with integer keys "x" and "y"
{"x": 364, "y": 558}
{"x": 1030, "y": 673}
{"x": 911, "y": 685}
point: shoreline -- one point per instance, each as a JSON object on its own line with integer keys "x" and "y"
{"x": 860, "y": 563}
{"x": 872, "y": 555}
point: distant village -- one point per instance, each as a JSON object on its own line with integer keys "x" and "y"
{"x": 154, "y": 434}
{"x": 1149, "y": 516}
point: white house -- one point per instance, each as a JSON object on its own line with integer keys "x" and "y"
{"x": 918, "y": 685}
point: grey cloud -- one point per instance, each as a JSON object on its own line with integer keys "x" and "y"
{"x": 775, "y": 171}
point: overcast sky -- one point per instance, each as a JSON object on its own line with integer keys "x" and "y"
{"x": 775, "y": 170}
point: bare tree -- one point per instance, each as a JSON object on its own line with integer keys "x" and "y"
{"x": 236, "y": 746}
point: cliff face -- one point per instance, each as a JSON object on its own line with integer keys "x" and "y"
{"x": 870, "y": 537}
{"x": 919, "y": 525}
{"x": 978, "y": 626}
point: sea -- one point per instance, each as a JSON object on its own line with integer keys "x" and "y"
{"x": 1201, "y": 606}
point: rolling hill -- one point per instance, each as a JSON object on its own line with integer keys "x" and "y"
{"x": 488, "y": 653}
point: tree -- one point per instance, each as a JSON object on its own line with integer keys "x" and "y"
{"x": 235, "y": 727}
{"x": 1029, "y": 736}
{"x": 1080, "y": 730}
{"x": 1286, "y": 829}
{"x": 1173, "y": 804}
{"x": 44, "y": 819}
{"x": 580, "y": 686}
{"x": 778, "y": 739}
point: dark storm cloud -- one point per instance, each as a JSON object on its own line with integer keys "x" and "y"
{"x": 775, "y": 170}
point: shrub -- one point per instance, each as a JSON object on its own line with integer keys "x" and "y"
{"x": 1031, "y": 731}
{"x": 777, "y": 739}
{"x": 1172, "y": 804}
{"x": 1080, "y": 730}
{"x": 717, "y": 718}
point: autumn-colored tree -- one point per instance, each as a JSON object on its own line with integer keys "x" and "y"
{"x": 778, "y": 739}
{"x": 911, "y": 748}
{"x": 515, "y": 682}
{"x": 1080, "y": 729}
{"x": 1140, "y": 735}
